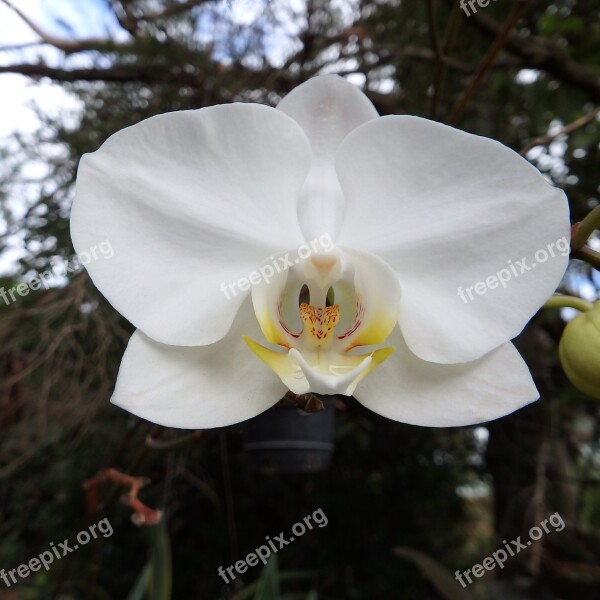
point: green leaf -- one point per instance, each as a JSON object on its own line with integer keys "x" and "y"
{"x": 141, "y": 585}
{"x": 441, "y": 579}
{"x": 161, "y": 575}
{"x": 268, "y": 586}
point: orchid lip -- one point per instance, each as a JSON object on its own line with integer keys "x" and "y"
{"x": 320, "y": 314}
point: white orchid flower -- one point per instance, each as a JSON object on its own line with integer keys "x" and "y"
{"x": 202, "y": 206}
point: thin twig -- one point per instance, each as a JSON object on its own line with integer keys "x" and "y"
{"x": 436, "y": 46}
{"x": 129, "y": 23}
{"x": 538, "y": 52}
{"x": 566, "y": 130}
{"x": 433, "y": 32}
{"x": 486, "y": 64}
{"x": 442, "y": 67}
{"x": 62, "y": 44}
{"x": 23, "y": 46}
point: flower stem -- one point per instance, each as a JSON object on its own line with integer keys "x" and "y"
{"x": 588, "y": 255}
{"x": 585, "y": 228}
{"x": 561, "y": 301}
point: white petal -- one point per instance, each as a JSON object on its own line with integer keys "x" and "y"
{"x": 282, "y": 365}
{"x": 320, "y": 382}
{"x": 410, "y": 390}
{"x": 327, "y": 108}
{"x": 190, "y": 202}
{"x": 266, "y": 296}
{"x": 379, "y": 296}
{"x": 197, "y": 388}
{"x": 446, "y": 209}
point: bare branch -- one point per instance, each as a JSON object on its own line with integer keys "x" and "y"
{"x": 114, "y": 74}
{"x": 124, "y": 17}
{"x": 128, "y": 21}
{"x": 172, "y": 10}
{"x": 131, "y": 22}
{"x": 62, "y": 44}
{"x": 485, "y": 66}
{"x": 537, "y": 52}
{"x": 21, "y": 46}
{"x": 567, "y": 130}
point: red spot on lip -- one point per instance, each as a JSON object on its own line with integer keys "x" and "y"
{"x": 321, "y": 320}
{"x": 282, "y": 322}
{"x": 360, "y": 311}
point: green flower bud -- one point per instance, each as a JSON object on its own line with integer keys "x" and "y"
{"x": 579, "y": 351}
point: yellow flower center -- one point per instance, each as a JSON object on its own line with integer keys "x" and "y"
{"x": 319, "y": 322}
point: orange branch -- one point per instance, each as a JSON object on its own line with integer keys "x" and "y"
{"x": 142, "y": 514}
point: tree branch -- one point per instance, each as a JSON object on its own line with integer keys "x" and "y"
{"x": 23, "y": 46}
{"x": 115, "y": 74}
{"x": 538, "y": 53}
{"x": 128, "y": 21}
{"x": 567, "y": 130}
{"x": 172, "y": 10}
{"x": 62, "y": 44}
{"x": 499, "y": 42}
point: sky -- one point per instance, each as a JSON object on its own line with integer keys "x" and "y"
{"x": 17, "y": 92}
{"x": 19, "y": 95}
{"x": 67, "y": 18}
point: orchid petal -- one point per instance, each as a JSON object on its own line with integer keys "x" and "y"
{"x": 375, "y": 359}
{"x": 267, "y": 297}
{"x": 327, "y": 108}
{"x": 410, "y": 390}
{"x": 201, "y": 387}
{"x": 378, "y": 295}
{"x": 190, "y": 202}
{"x": 282, "y": 365}
{"x": 447, "y": 209}
{"x": 341, "y": 379}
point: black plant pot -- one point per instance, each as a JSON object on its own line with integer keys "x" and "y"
{"x": 287, "y": 439}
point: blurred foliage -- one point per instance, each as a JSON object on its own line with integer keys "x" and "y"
{"x": 450, "y": 495}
